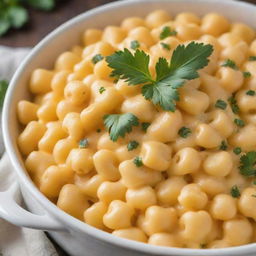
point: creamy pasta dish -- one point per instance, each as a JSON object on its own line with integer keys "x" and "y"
{"x": 147, "y": 130}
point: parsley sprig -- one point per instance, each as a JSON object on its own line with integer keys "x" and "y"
{"x": 162, "y": 90}
{"x": 120, "y": 124}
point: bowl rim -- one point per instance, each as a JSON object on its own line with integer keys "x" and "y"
{"x": 49, "y": 207}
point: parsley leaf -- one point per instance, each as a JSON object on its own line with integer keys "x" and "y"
{"x": 3, "y": 89}
{"x": 237, "y": 150}
{"x": 252, "y": 58}
{"x": 96, "y": 58}
{"x": 145, "y": 126}
{"x": 138, "y": 161}
{"x": 229, "y": 63}
{"x": 166, "y": 32}
{"x": 185, "y": 62}
{"x": 184, "y": 132}
{"x": 250, "y": 93}
{"x": 166, "y": 46}
{"x": 133, "y": 68}
{"x": 102, "y": 89}
{"x": 132, "y": 145}
{"x": 135, "y": 44}
{"x": 235, "y": 192}
{"x": 221, "y": 104}
{"x": 247, "y": 164}
{"x": 84, "y": 143}
{"x": 120, "y": 124}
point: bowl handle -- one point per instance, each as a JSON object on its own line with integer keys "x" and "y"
{"x": 11, "y": 211}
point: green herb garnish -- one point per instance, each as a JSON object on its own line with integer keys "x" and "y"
{"x": 229, "y": 63}
{"x": 13, "y": 13}
{"x": 120, "y": 124}
{"x": 237, "y": 150}
{"x": 252, "y": 58}
{"x": 145, "y": 126}
{"x": 163, "y": 90}
{"x": 247, "y": 164}
{"x": 98, "y": 130}
{"x": 235, "y": 192}
{"x": 101, "y": 90}
{"x": 233, "y": 104}
{"x": 166, "y": 32}
{"x": 166, "y": 46}
{"x": 135, "y": 44}
{"x": 3, "y": 89}
{"x": 239, "y": 122}
{"x": 96, "y": 58}
{"x": 221, "y": 104}
{"x": 138, "y": 161}
{"x": 184, "y": 132}
{"x": 247, "y": 74}
{"x": 84, "y": 143}
{"x": 223, "y": 145}
{"x": 132, "y": 145}
{"x": 250, "y": 93}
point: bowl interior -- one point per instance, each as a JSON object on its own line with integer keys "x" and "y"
{"x": 69, "y": 34}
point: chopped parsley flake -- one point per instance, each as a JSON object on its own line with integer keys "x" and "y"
{"x": 84, "y": 143}
{"x": 223, "y": 145}
{"x": 252, "y": 58}
{"x": 96, "y": 58}
{"x": 166, "y": 32}
{"x": 229, "y": 63}
{"x": 145, "y": 126}
{"x": 239, "y": 122}
{"x": 247, "y": 74}
{"x": 101, "y": 90}
{"x": 135, "y": 44}
{"x": 235, "y": 192}
{"x": 247, "y": 164}
{"x": 233, "y": 105}
{"x": 237, "y": 150}
{"x": 98, "y": 130}
{"x": 132, "y": 145}
{"x": 184, "y": 132}
{"x": 138, "y": 161}
{"x": 221, "y": 104}
{"x": 166, "y": 46}
{"x": 250, "y": 93}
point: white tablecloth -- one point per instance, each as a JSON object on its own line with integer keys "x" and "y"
{"x": 16, "y": 241}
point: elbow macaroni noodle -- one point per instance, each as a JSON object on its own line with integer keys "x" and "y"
{"x": 180, "y": 197}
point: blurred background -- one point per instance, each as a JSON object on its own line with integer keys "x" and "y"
{"x": 31, "y": 20}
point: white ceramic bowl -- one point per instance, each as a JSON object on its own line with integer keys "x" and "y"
{"x": 76, "y": 237}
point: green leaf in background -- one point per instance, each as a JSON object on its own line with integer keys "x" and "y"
{"x": 3, "y": 89}
{"x": 4, "y": 25}
{"x": 45, "y": 5}
{"x": 17, "y": 16}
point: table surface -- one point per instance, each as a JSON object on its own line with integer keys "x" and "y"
{"x": 41, "y": 23}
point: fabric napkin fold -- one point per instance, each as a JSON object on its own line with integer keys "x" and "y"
{"x": 17, "y": 241}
